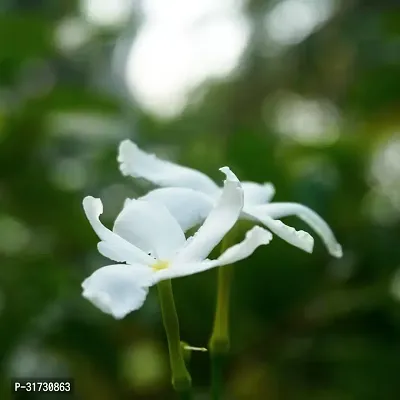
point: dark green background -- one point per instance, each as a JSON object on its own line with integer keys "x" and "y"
{"x": 303, "y": 326}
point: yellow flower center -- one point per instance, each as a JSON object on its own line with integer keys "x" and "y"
{"x": 159, "y": 265}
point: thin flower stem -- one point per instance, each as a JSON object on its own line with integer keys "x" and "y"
{"x": 217, "y": 376}
{"x": 181, "y": 380}
{"x": 220, "y": 342}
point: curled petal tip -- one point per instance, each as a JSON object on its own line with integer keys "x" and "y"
{"x": 262, "y": 234}
{"x": 88, "y": 199}
{"x": 125, "y": 144}
{"x": 337, "y": 251}
{"x": 307, "y": 240}
{"x": 300, "y": 239}
{"x": 126, "y": 151}
{"x": 92, "y": 204}
{"x": 230, "y": 176}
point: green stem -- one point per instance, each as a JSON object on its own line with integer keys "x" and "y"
{"x": 219, "y": 342}
{"x": 181, "y": 380}
{"x": 217, "y": 376}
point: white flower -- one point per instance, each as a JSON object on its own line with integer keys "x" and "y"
{"x": 189, "y": 195}
{"x": 151, "y": 242}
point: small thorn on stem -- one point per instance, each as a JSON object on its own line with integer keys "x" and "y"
{"x": 187, "y": 347}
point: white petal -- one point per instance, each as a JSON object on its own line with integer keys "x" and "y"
{"x": 300, "y": 239}
{"x": 310, "y": 217}
{"x": 139, "y": 164}
{"x": 150, "y": 226}
{"x": 189, "y": 207}
{"x": 220, "y": 220}
{"x": 111, "y": 251}
{"x": 255, "y": 193}
{"x": 256, "y": 237}
{"x": 112, "y": 246}
{"x": 118, "y": 289}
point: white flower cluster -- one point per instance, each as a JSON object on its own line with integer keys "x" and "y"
{"x": 148, "y": 239}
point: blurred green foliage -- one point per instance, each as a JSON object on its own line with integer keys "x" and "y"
{"x": 303, "y": 326}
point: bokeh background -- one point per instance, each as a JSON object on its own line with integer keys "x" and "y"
{"x": 302, "y": 93}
